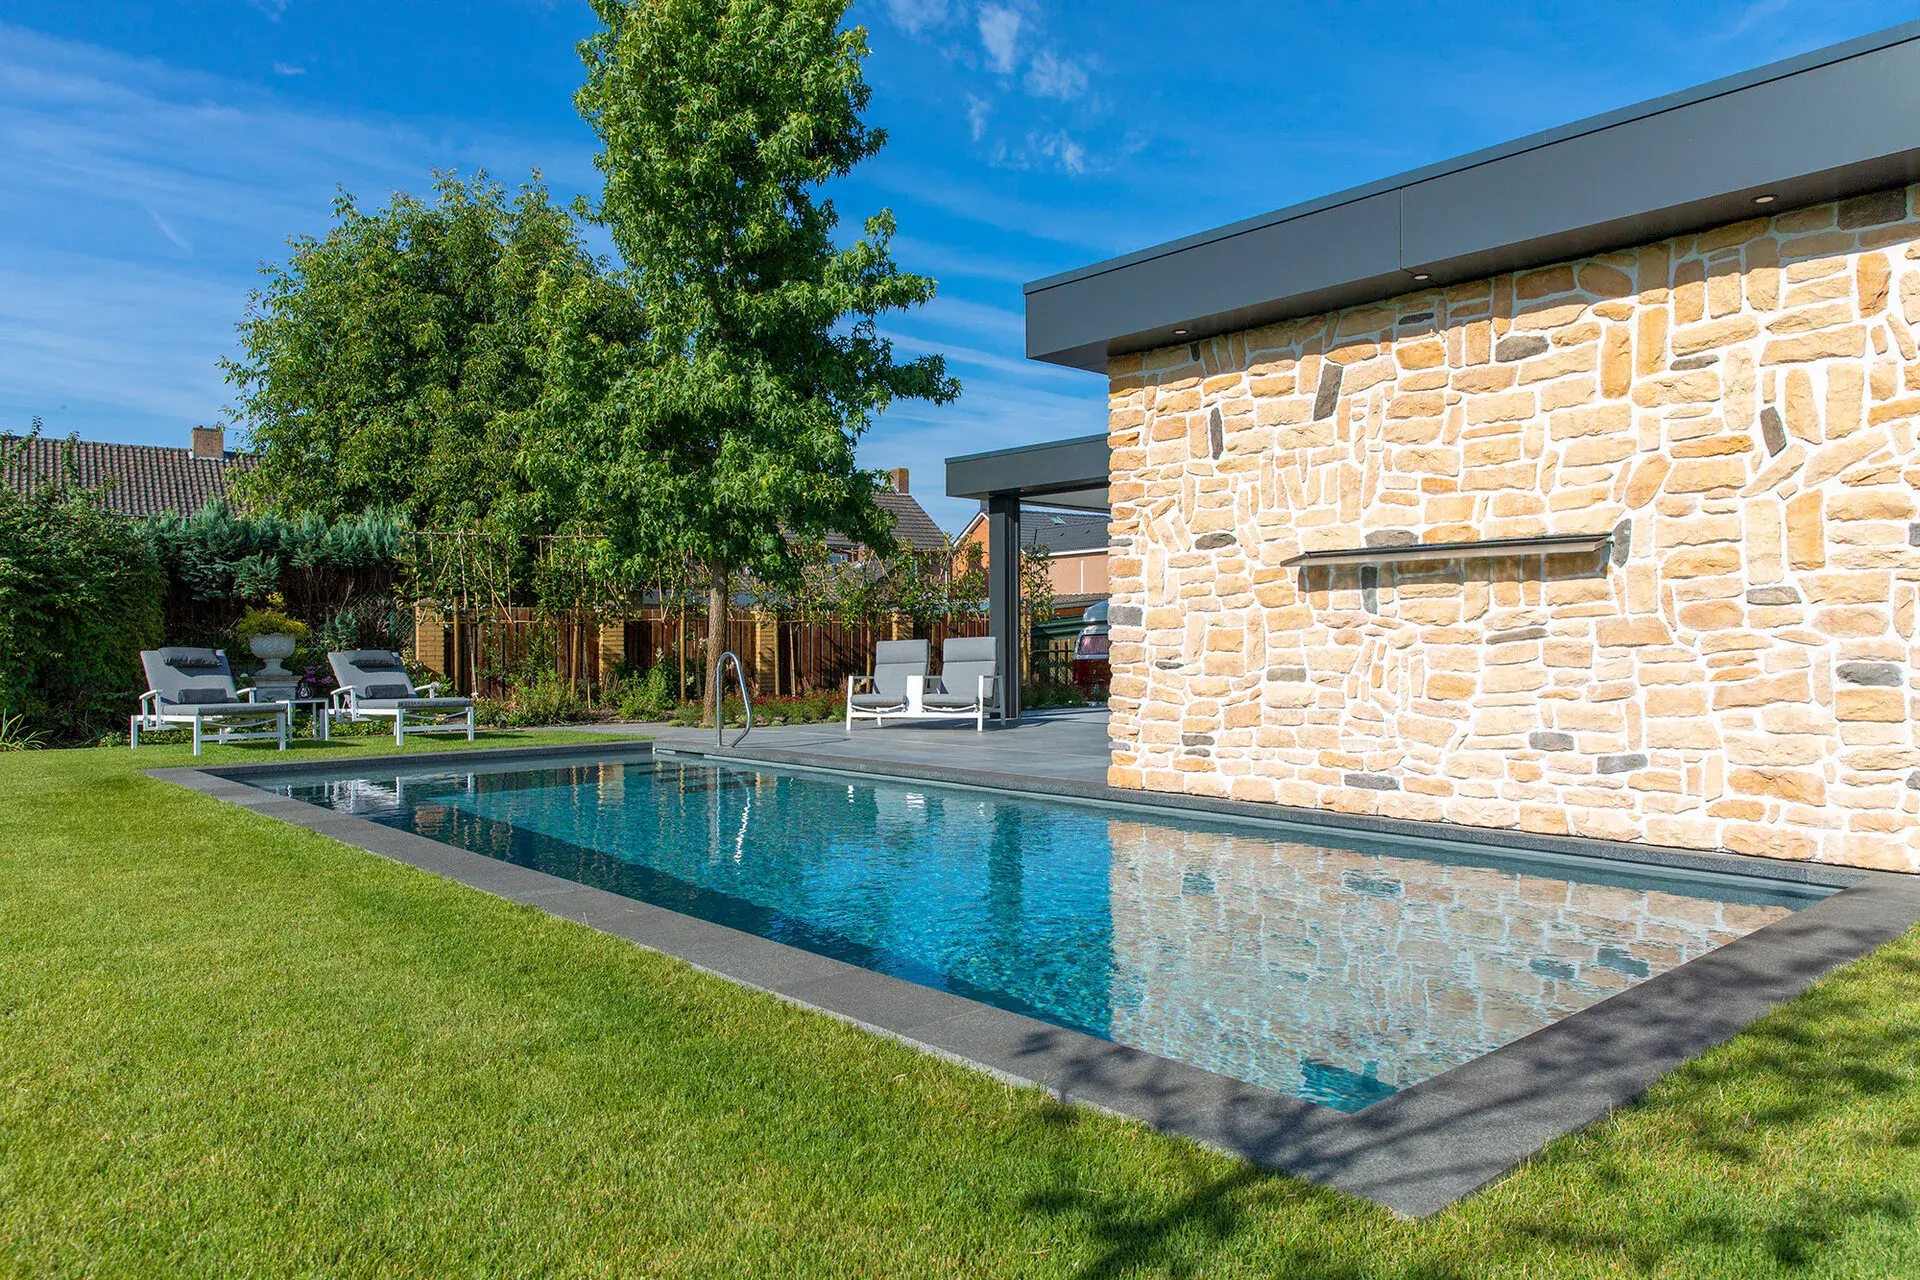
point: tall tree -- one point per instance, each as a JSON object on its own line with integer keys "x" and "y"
{"x": 392, "y": 363}
{"x": 730, "y": 436}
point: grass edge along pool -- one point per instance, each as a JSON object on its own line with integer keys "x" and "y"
{"x": 1328, "y": 965}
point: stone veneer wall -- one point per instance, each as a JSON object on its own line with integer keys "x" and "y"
{"x": 1738, "y": 405}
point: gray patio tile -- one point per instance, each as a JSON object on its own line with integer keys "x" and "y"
{"x": 743, "y": 957}
{"x": 879, "y": 1000}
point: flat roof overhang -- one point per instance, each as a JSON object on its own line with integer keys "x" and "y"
{"x": 1071, "y": 474}
{"x": 1837, "y": 122}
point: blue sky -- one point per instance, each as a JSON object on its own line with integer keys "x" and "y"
{"x": 154, "y": 155}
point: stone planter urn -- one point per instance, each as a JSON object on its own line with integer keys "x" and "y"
{"x": 272, "y": 649}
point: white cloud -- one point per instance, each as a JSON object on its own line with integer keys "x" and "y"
{"x": 167, "y": 230}
{"x": 288, "y": 69}
{"x": 944, "y": 261}
{"x": 1101, "y": 229}
{"x": 1060, "y": 148}
{"x": 1054, "y": 77}
{"x": 1000, "y": 37}
{"x": 914, "y": 16}
{"x": 978, "y": 111}
{"x": 1052, "y": 150}
{"x": 975, "y": 317}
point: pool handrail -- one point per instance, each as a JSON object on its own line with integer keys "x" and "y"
{"x": 720, "y": 700}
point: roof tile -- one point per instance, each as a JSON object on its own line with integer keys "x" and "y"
{"x": 138, "y": 479}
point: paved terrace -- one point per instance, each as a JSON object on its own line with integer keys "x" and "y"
{"x": 1069, "y": 745}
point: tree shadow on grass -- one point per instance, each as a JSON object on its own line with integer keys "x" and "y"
{"x": 1176, "y": 1238}
{"x": 1774, "y": 1110}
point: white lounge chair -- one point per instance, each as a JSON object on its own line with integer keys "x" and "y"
{"x": 894, "y": 687}
{"x": 374, "y": 683}
{"x": 968, "y": 685}
{"x": 193, "y": 689}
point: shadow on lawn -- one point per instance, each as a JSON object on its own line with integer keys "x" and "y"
{"x": 1777, "y": 1105}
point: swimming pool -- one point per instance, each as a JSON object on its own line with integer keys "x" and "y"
{"x": 1329, "y": 967}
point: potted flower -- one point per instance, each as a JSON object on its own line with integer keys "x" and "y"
{"x": 272, "y": 636}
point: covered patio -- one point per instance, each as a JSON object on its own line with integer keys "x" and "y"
{"x": 1069, "y": 475}
{"x": 1066, "y": 744}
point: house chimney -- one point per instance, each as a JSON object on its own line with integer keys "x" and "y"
{"x": 899, "y": 479}
{"x": 210, "y": 443}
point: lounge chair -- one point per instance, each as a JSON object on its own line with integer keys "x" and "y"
{"x": 968, "y": 684}
{"x": 193, "y": 688}
{"x": 373, "y": 683}
{"x": 894, "y": 687}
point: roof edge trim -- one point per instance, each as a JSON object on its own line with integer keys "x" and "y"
{"x": 1647, "y": 109}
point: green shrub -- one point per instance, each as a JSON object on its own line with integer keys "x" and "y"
{"x": 80, "y": 594}
{"x": 649, "y": 696}
{"x": 541, "y": 700}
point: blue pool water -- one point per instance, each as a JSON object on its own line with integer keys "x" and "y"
{"x": 1306, "y": 960}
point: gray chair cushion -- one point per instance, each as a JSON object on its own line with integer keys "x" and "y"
{"x": 969, "y": 649}
{"x": 962, "y": 662}
{"x": 378, "y": 691}
{"x": 367, "y": 670}
{"x": 877, "y": 701}
{"x": 413, "y": 704}
{"x": 182, "y": 674}
{"x": 951, "y": 702}
{"x": 222, "y": 708}
{"x": 897, "y": 664}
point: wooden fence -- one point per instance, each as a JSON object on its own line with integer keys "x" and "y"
{"x": 781, "y": 656}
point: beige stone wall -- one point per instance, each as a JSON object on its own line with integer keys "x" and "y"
{"x": 1739, "y": 406}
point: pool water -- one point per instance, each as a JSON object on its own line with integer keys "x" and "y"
{"x": 1331, "y": 967}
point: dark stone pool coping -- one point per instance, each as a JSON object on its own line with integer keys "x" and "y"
{"x": 1414, "y": 1153}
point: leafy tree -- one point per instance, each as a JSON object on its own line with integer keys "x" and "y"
{"x": 728, "y": 437}
{"x": 391, "y": 365}
{"x": 79, "y": 599}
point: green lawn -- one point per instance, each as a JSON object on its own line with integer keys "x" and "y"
{"x": 228, "y": 1046}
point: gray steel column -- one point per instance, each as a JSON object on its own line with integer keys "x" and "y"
{"x": 1003, "y": 591}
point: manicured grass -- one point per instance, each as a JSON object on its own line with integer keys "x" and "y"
{"x": 228, "y": 1046}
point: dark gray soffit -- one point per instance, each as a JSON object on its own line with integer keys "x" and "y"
{"x": 1832, "y": 123}
{"x": 1063, "y": 473}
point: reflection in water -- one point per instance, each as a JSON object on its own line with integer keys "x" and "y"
{"x": 1338, "y": 974}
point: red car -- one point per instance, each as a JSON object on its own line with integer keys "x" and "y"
{"x": 1091, "y": 669}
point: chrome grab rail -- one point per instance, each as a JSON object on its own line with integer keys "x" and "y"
{"x": 720, "y": 701}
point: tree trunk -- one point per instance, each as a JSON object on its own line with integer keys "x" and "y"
{"x": 716, "y": 633}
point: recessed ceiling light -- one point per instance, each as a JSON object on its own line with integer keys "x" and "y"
{"x": 1423, "y": 275}
{"x": 1179, "y": 333}
{"x": 1766, "y": 199}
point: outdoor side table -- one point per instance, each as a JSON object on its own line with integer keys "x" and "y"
{"x": 320, "y": 718}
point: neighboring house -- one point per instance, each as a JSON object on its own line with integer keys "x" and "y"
{"x": 137, "y": 479}
{"x": 912, "y": 526}
{"x": 1568, "y": 487}
{"x": 1076, "y": 546}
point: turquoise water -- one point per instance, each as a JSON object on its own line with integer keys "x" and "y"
{"x": 1301, "y": 959}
